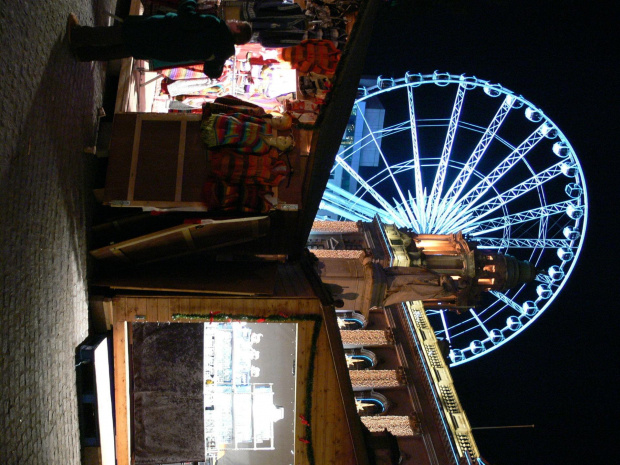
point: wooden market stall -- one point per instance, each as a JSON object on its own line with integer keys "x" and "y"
{"x": 327, "y": 428}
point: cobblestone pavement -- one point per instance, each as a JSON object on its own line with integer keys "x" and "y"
{"x": 48, "y": 103}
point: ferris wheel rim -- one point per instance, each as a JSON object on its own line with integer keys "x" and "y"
{"x": 413, "y": 81}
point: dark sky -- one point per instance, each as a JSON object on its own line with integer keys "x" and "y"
{"x": 561, "y": 374}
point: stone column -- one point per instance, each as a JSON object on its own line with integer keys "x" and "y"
{"x": 397, "y": 425}
{"x": 375, "y": 379}
{"x": 365, "y": 338}
{"x": 328, "y": 253}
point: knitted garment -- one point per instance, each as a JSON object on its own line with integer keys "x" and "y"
{"x": 248, "y": 198}
{"x": 182, "y": 72}
{"x": 313, "y": 55}
{"x": 239, "y": 130}
{"x": 236, "y": 168}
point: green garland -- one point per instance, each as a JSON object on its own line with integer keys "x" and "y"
{"x": 277, "y": 318}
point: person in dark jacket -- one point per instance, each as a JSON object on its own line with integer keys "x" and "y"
{"x": 181, "y": 37}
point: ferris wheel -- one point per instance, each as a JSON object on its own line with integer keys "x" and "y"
{"x": 440, "y": 153}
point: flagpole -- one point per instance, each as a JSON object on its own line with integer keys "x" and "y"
{"x": 503, "y": 427}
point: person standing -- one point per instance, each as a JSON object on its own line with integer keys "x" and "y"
{"x": 184, "y": 36}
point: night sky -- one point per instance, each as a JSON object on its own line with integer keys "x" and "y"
{"x": 561, "y": 374}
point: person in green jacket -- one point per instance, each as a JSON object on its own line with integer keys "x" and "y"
{"x": 181, "y": 37}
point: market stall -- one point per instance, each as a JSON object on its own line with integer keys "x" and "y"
{"x": 174, "y": 147}
{"x": 237, "y": 379}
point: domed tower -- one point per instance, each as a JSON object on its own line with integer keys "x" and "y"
{"x": 468, "y": 270}
{"x": 463, "y": 271}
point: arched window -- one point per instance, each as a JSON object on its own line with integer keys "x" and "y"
{"x": 370, "y": 403}
{"x": 351, "y": 320}
{"x": 360, "y": 359}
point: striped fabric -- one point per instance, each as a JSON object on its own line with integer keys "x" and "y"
{"x": 247, "y": 198}
{"x": 237, "y": 168}
{"x": 239, "y": 182}
{"x": 239, "y": 130}
{"x": 183, "y": 72}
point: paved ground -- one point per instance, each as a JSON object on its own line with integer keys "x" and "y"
{"x": 48, "y": 103}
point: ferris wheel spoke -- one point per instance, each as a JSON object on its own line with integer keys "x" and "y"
{"x": 445, "y": 326}
{"x": 384, "y": 203}
{"x": 508, "y": 301}
{"x": 389, "y": 131}
{"x": 348, "y": 202}
{"x": 543, "y": 223}
{"x": 432, "y": 311}
{"x": 410, "y": 218}
{"x": 347, "y": 152}
{"x": 418, "y": 210}
{"x": 542, "y": 213}
{"x": 478, "y": 191}
{"x": 342, "y": 202}
{"x": 479, "y": 321}
{"x": 342, "y": 212}
{"x": 414, "y": 221}
{"x": 516, "y": 243}
{"x": 440, "y": 175}
{"x": 419, "y": 188}
{"x": 351, "y": 150}
{"x": 465, "y": 174}
{"x": 496, "y": 202}
{"x": 394, "y": 129}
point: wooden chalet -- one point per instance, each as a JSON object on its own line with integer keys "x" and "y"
{"x": 330, "y": 424}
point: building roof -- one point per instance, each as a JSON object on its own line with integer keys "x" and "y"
{"x": 431, "y": 387}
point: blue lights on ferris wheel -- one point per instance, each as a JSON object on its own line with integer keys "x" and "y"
{"x": 468, "y": 155}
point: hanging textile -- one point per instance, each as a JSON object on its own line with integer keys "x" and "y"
{"x": 247, "y": 198}
{"x": 237, "y": 168}
{"x": 182, "y": 72}
{"x": 240, "y": 130}
{"x": 319, "y": 56}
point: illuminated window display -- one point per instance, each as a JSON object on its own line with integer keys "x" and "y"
{"x": 216, "y": 392}
{"x": 239, "y": 414}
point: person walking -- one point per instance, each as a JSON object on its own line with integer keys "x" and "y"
{"x": 181, "y": 37}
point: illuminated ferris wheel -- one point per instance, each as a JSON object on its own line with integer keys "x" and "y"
{"x": 441, "y": 153}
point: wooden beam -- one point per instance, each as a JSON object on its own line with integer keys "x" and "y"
{"x": 181, "y": 161}
{"x": 126, "y": 74}
{"x": 346, "y": 391}
{"x": 121, "y": 393}
{"x": 134, "y": 159}
{"x": 167, "y": 204}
